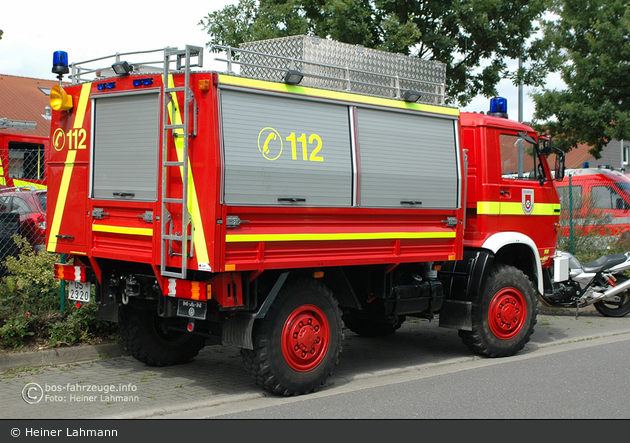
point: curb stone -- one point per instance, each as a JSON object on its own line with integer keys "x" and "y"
{"x": 55, "y": 356}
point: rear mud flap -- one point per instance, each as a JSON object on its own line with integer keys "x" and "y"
{"x": 237, "y": 331}
{"x": 456, "y": 314}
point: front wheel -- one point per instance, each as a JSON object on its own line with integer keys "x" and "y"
{"x": 615, "y": 308}
{"x": 504, "y": 315}
{"x": 297, "y": 344}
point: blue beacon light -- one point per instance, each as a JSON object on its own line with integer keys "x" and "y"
{"x": 498, "y": 107}
{"x": 60, "y": 64}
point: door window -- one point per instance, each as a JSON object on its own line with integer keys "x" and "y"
{"x": 519, "y": 159}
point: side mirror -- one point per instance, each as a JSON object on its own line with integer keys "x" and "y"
{"x": 559, "y": 168}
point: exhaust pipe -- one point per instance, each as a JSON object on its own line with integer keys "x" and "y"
{"x": 617, "y": 289}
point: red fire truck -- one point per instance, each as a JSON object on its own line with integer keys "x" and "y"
{"x": 22, "y": 160}
{"x": 273, "y": 205}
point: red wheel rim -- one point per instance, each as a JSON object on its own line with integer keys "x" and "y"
{"x": 305, "y": 338}
{"x": 507, "y": 313}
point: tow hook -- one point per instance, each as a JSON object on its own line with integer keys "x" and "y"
{"x": 132, "y": 289}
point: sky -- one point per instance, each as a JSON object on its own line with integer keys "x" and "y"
{"x": 87, "y": 30}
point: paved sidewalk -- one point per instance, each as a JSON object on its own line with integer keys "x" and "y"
{"x": 121, "y": 387}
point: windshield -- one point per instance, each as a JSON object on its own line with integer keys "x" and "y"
{"x": 624, "y": 188}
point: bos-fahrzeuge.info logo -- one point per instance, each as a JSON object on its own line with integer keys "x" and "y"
{"x": 80, "y": 392}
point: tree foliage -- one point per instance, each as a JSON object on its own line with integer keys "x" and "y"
{"x": 474, "y": 38}
{"x": 588, "y": 41}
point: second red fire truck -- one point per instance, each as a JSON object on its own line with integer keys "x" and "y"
{"x": 274, "y": 205}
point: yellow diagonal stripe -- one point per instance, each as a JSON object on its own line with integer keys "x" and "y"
{"x": 67, "y": 171}
{"x": 199, "y": 237}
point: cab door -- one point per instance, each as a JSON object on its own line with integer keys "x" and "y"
{"x": 526, "y": 192}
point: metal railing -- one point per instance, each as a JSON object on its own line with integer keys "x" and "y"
{"x": 273, "y": 67}
{"x": 318, "y": 73}
{"x": 98, "y": 69}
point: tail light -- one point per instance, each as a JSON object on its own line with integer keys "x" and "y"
{"x": 40, "y": 224}
{"x": 70, "y": 272}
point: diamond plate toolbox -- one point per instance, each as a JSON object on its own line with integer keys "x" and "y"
{"x": 329, "y": 64}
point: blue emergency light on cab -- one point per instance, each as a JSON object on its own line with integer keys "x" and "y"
{"x": 498, "y": 107}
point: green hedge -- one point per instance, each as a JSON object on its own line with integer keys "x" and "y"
{"x": 30, "y": 305}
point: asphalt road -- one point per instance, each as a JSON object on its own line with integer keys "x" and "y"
{"x": 215, "y": 383}
{"x": 585, "y": 380}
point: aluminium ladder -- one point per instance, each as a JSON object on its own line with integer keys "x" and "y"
{"x": 180, "y": 131}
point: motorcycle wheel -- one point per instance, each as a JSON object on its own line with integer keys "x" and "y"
{"x": 615, "y": 309}
{"x": 503, "y": 315}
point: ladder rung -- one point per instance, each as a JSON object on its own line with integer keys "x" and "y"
{"x": 173, "y": 274}
{"x": 175, "y": 237}
{"x": 180, "y": 164}
{"x": 176, "y": 89}
{"x": 172, "y": 200}
{"x": 172, "y": 237}
{"x": 174, "y": 126}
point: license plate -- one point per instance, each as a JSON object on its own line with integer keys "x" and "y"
{"x": 79, "y": 291}
{"x": 192, "y": 309}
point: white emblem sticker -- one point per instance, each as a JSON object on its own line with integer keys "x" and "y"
{"x": 204, "y": 267}
{"x": 528, "y": 201}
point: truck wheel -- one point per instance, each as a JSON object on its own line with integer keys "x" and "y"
{"x": 371, "y": 328}
{"x": 145, "y": 335}
{"x": 504, "y": 315}
{"x": 297, "y": 344}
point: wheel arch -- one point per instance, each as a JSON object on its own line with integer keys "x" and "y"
{"x": 518, "y": 250}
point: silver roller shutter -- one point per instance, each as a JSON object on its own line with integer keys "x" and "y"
{"x": 126, "y": 132}
{"x": 259, "y": 132}
{"x": 405, "y": 158}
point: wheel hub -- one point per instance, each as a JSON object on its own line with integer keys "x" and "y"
{"x": 507, "y": 313}
{"x": 305, "y": 338}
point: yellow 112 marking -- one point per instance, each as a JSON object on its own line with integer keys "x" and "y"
{"x": 79, "y": 136}
{"x": 313, "y": 139}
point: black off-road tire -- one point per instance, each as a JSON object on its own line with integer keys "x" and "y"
{"x": 366, "y": 327}
{"x": 297, "y": 344}
{"x": 504, "y": 315}
{"x": 145, "y": 339}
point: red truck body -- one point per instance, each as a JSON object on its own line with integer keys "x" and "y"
{"x": 266, "y": 213}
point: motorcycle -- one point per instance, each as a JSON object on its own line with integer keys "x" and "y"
{"x": 601, "y": 283}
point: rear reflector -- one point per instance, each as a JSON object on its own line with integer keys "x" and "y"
{"x": 70, "y": 272}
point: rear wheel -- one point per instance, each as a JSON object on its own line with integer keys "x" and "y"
{"x": 148, "y": 338}
{"x": 615, "y": 308}
{"x": 504, "y": 315}
{"x": 297, "y": 344}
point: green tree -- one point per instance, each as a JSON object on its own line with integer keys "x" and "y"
{"x": 588, "y": 42}
{"x": 474, "y": 38}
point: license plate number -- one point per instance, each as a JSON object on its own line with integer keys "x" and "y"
{"x": 79, "y": 291}
{"x": 192, "y": 309}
